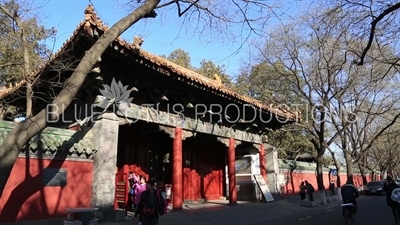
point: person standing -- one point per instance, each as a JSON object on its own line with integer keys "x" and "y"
{"x": 310, "y": 191}
{"x": 132, "y": 190}
{"x": 388, "y": 187}
{"x": 332, "y": 188}
{"x": 150, "y": 205}
{"x": 302, "y": 191}
{"x": 140, "y": 188}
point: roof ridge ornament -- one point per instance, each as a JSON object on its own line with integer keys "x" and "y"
{"x": 91, "y": 15}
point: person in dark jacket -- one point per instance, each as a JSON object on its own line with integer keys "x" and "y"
{"x": 310, "y": 191}
{"x": 150, "y": 206}
{"x": 389, "y": 186}
{"x": 332, "y": 188}
{"x": 349, "y": 194}
{"x": 302, "y": 191}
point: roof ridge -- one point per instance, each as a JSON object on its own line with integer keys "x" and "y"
{"x": 92, "y": 20}
{"x": 91, "y": 17}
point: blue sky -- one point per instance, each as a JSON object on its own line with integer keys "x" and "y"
{"x": 162, "y": 35}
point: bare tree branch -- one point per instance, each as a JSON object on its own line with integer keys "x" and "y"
{"x": 374, "y": 23}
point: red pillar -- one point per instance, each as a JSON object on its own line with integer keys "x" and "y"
{"x": 177, "y": 178}
{"x": 232, "y": 172}
{"x": 263, "y": 163}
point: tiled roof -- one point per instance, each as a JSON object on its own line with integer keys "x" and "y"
{"x": 92, "y": 21}
{"x": 52, "y": 139}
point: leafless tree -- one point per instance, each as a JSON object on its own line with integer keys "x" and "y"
{"x": 310, "y": 50}
{"x": 207, "y": 12}
{"x": 367, "y": 101}
{"x": 376, "y": 22}
{"x": 384, "y": 155}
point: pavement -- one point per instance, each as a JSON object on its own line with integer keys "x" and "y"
{"x": 372, "y": 210}
{"x": 286, "y": 210}
{"x": 243, "y": 213}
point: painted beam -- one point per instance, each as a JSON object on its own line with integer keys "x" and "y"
{"x": 134, "y": 113}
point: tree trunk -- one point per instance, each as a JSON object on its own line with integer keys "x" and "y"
{"x": 24, "y": 131}
{"x": 349, "y": 165}
{"x": 292, "y": 180}
{"x": 320, "y": 179}
{"x": 29, "y": 96}
{"x": 337, "y": 166}
{"x": 363, "y": 174}
{"x": 384, "y": 173}
{"x": 338, "y": 181}
{"x": 29, "y": 90}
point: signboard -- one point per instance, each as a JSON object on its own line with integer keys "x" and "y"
{"x": 263, "y": 187}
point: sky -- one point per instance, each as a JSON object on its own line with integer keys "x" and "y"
{"x": 162, "y": 35}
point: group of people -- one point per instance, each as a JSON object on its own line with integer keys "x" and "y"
{"x": 145, "y": 200}
{"x": 350, "y": 194}
{"x": 148, "y": 203}
{"x": 306, "y": 188}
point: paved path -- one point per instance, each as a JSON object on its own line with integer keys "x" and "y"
{"x": 287, "y": 210}
{"x": 241, "y": 214}
{"x": 372, "y": 210}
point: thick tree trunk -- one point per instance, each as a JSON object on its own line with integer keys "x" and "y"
{"x": 384, "y": 172}
{"x": 349, "y": 165}
{"x": 337, "y": 166}
{"x": 29, "y": 96}
{"x": 363, "y": 173}
{"x": 23, "y": 132}
{"x": 27, "y": 71}
{"x": 338, "y": 181}
{"x": 320, "y": 179}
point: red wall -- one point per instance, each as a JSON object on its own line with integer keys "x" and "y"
{"x": 203, "y": 178}
{"x": 298, "y": 177}
{"x": 24, "y": 198}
